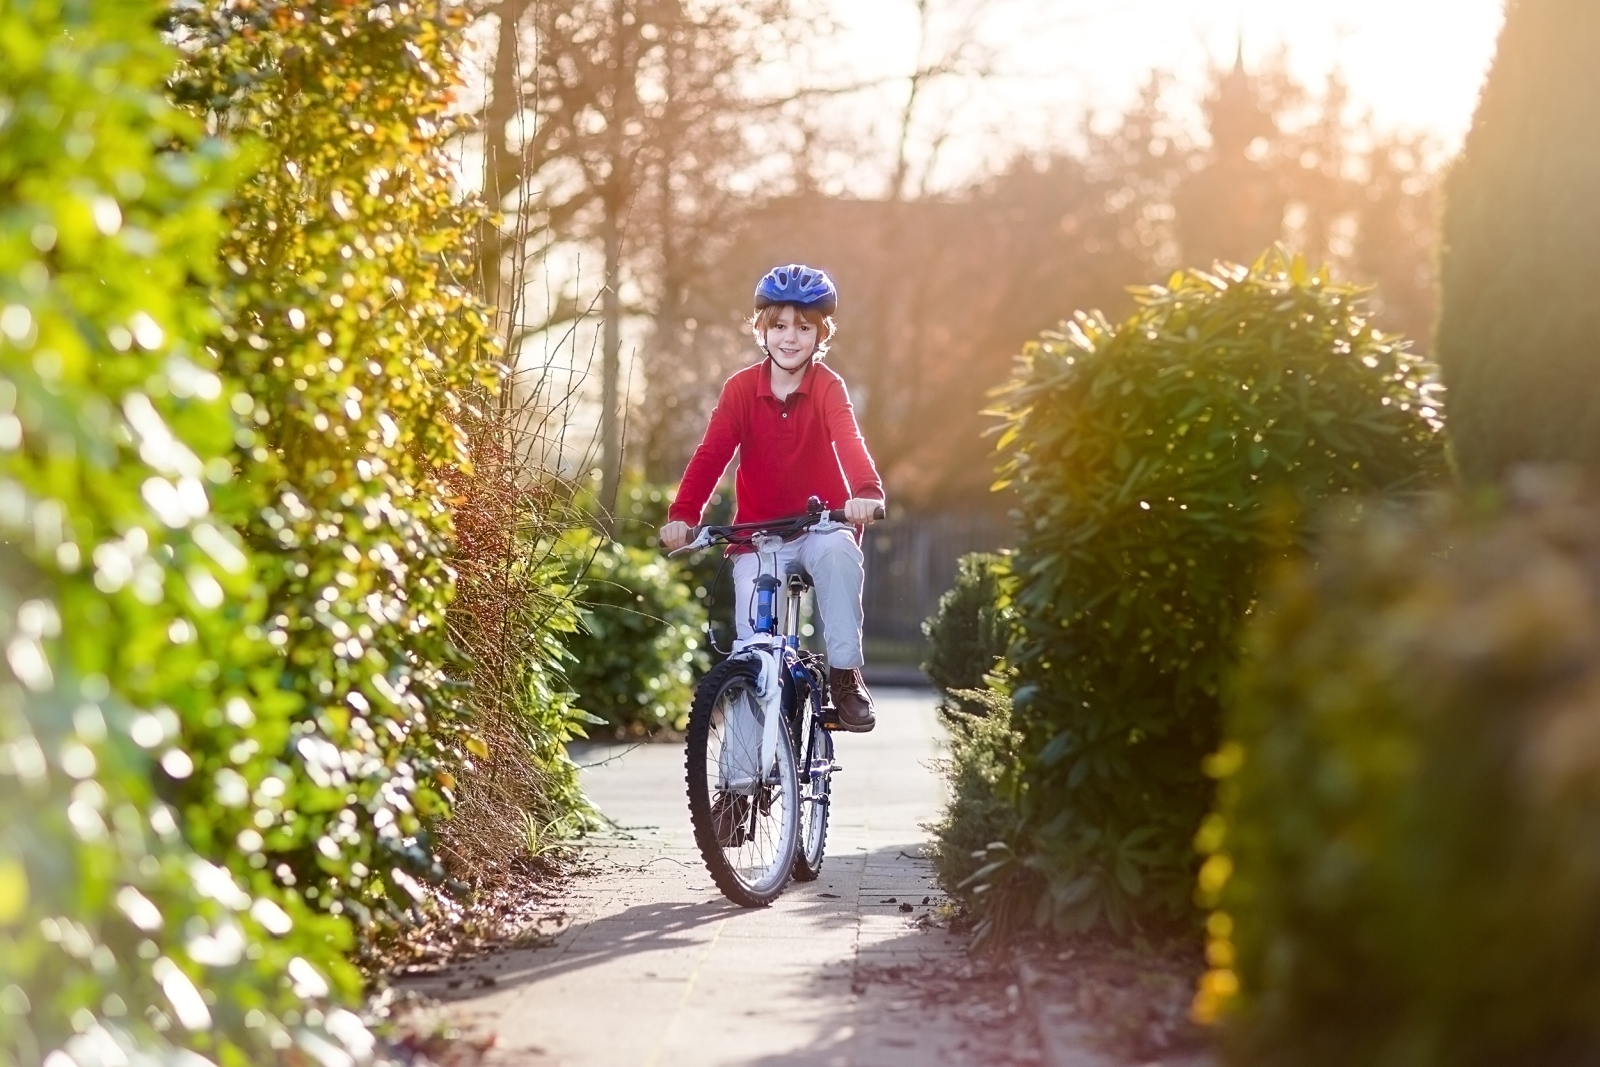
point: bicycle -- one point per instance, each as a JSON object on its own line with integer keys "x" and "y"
{"x": 760, "y": 716}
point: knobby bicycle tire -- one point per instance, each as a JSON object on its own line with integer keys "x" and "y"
{"x": 708, "y": 822}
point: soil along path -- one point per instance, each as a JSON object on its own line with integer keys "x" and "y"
{"x": 650, "y": 966}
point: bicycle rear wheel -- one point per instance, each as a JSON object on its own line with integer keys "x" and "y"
{"x": 815, "y": 789}
{"x": 746, "y": 819}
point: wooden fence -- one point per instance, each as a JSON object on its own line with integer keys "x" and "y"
{"x": 911, "y": 561}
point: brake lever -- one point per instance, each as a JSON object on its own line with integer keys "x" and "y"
{"x": 702, "y": 541}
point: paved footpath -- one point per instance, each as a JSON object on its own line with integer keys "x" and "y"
{"x": 657, "y": 969}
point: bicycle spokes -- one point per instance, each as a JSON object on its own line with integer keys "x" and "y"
{"x": 752, "y": 811}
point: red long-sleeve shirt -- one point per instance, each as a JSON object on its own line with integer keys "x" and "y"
{"x": 806, "y": 445}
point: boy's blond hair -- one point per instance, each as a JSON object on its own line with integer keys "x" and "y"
{"x": 767, "y": 317}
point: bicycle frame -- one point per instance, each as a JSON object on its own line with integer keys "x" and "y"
{"x": 796, "y": 672}
{"x": 797, "y": 669}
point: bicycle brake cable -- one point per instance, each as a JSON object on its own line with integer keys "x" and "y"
{"x": 711, "y": 618}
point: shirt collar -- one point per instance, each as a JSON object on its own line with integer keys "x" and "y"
{"x": 764, "y": 379}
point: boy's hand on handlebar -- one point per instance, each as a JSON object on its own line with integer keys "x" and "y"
{"x": 674, "y": 535}
{"x": 862, "y": 510}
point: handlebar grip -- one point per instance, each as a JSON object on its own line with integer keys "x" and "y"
{"x": 837, "y": 514}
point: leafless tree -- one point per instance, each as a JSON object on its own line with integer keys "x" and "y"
{"x": 618, "y": 124}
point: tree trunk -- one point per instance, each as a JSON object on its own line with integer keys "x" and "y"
{"x": 500, "y": 172}
{"x": 610, "y": 370}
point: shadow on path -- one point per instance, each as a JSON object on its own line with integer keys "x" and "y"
{"x": 862, "y": 886}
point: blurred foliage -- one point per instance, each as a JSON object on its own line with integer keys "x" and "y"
{"x": 355, "y": 331}
{"x": 1159, "y": 463}
{"x": 143, "y": 729}
{"x": 1518, "y": 325}
{"x": 641, "y": 647}
{"x": 970, "y": 631}
{"x": 979, "y": 774}
{"x": 642, "y": 510}
{"x": 1404, "y": 863}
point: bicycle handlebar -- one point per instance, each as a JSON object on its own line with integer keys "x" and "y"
{"x": 745, "y": 532}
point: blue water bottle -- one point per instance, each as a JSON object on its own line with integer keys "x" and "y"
{"x": 766, "y": 598}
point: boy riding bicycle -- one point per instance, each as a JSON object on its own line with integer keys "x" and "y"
{"x": 790, "y": 420}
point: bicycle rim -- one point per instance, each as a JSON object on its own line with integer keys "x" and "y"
{"x": 814, "y": 803}
{"x": 746, "y": 824}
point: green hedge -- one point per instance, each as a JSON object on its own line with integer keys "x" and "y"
{"x": 1519, "y": 327}
{"x": 1405, "y": 862}
{"x": 969, "y": 635}
{"x": 980, "y": 773}
{"x": 141, "y": 718}
{"x": 970, "y": 631}
{"x": 355, "y": 331}
{"x": 642, "y": 643}
{"x": 1159, "y": 464}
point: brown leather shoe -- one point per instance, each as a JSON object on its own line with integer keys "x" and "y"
{"x": 851, "y": 700}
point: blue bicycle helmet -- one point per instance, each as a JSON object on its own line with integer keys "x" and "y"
{"x": 797, "y": 284}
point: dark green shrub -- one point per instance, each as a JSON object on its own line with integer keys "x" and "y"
{"x": 1159, "y": 463}
{"x": 978, "y": 772}
{"x": 1519, "y": 327}
{"x": 970, "y": 630}
{"x": 142, "y": 724}
{"x": 356, "y": 333}
{"x": 1405, "y": 862}
{"x": 642, "y": 643}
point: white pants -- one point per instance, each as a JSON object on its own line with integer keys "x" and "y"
{"x": 833, "y": 560}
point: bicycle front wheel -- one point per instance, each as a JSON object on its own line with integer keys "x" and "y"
{"x": 746, "y": 818}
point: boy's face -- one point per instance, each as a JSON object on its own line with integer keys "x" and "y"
{"x": 792, "y": 340}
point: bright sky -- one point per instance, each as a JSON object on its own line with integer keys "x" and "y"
{"x": 1416, "y": 64}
